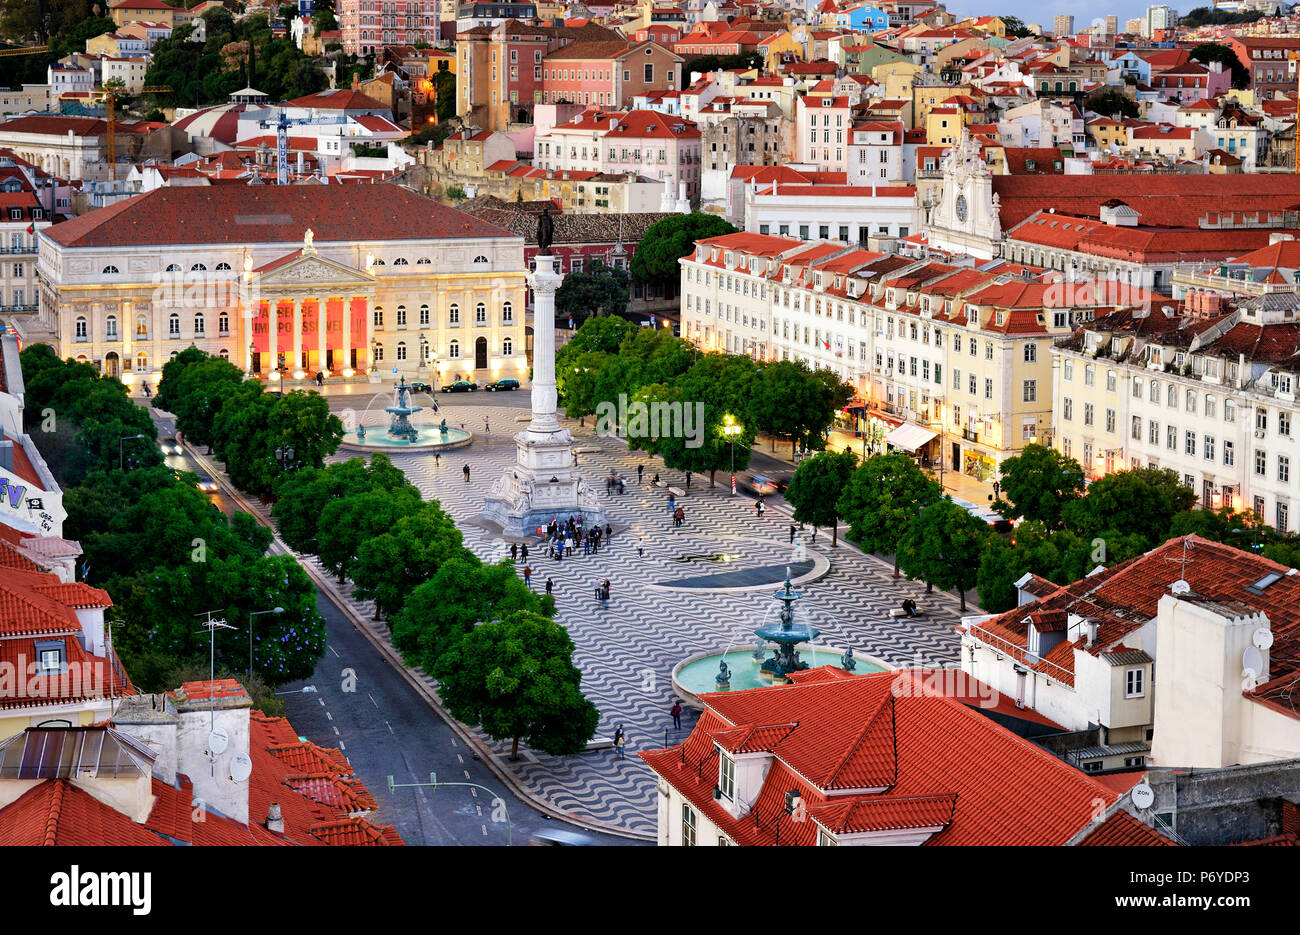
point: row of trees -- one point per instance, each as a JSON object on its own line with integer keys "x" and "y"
{"x": 1066, "y": 527}
{"x": 610, "y": 358}
{"x": 157, "y": 545}
{"x": 500, "y": 660}
{"x": 260, "y": 436}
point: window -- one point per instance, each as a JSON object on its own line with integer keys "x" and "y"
{"x": 1134, "y": 683}
{"x": 174, "y": 325}
{"x": 1210, "y": 409}
{"x": 401, "y": 316}
{"x": 480, "y": 314}
{"x": 1171, "y": 437}
{"x": 1261, "y": 420}
{"x": 198, "y": 268}
{"x": 1155, "y": 393}
{"x": 507, "y": 313}
{"x": 379, "y": 352}
{"x": 1284, "y": 424}
{"x": 1067, "y": 370}
{"x": 1089, "y": 375}
{"x": 972, "y": 385}
{"x": 726, "y": 776}
{"x": 81, "y": 328}
{"x": 454, "y": 349}
{"x": 109, "y": 271}
{"x": 1283, "y": 468}
{"x": 1282, "y": 517}
{"x": 1261, "y": 462}
{"x": 1229, "y": 411}
{"x": 507, "y": 347}
{"x": 1031, "y": 353}
{"x": 1227, "y": 454}
{"x": 223, "y": 267}
{"x": 1031, "y": 391}
{"x": 1153, "y": 432}
{"x": 49, "y": 655}
{"x": 1087, "y": 414}
{"x": 424, "y": 315}
{"x": 1137, "y": 387}
{"x": 1189, "y": 401}
{"x": 480, "y": 260}
{"x": 401, "y": 350}
{"x": 1189, "y": 443}
{"x": 988, "y": 387}
{"x": 453, "y": 315}
{"x": 688, "y": 826}
{"x": 110, "y": 327}
{"x": 198, "y": 324}
{"x": 378, "y": 316}
{"x": 1110, "y": 421}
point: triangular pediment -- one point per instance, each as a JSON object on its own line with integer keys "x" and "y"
{"x": 311, "y": 268}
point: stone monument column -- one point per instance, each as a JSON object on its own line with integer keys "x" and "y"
{"x": 545, "y": 281}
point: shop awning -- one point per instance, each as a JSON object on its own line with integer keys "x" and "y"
{"x": 884, "y": 417}
{"x": 909, "y": 436}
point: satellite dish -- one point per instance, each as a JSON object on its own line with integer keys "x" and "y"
{"x": 1180, "y": 587}
{"x": 218, "y": 740}
{"x": 1252, "y": 662}
{"x": 241, "y": 767}
{"x": 1262, "y": 638}
{"x": 1143, "y": 796}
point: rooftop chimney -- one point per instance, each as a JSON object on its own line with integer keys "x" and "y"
{"x": 274, "y": 823}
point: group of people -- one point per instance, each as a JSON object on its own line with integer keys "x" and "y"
{"x": 613, "y": 483}
{"x": 563, "y": 538}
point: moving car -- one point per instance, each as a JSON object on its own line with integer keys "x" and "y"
{"x": 206, "y": 484}
{"x": 505, "y": 383}
{"x": 460, "y": 386}
{"x": 762, "y": 483}
{"x": 559, "y": 837}
{"x": 170, "y": 446}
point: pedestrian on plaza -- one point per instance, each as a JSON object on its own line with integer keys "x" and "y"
{"x": 640, "y": 469}
{"x": 604, "y": 591}
{"x": 620, "y": 741}
{"x": 549, "y": 584}
{"x": 995, "y": 488}
{"x": 621, "y": 489}
{"x": 655, "y": 480}
{"x": 676, "y": 712}
{"x": 688, "y": 480}
{"x": 147, "y": 394}
{"x": 528, "y": 576}
{"x": 640, "y": 548}
{"x": 437, "y": 460}
{"x": 814, "y": 536}
{"x": 672, "y": 502}
{"x": 514, "y": 551}
{"x": 758, "y": 507}
{"x": 466, "y": 470}
{"x": 487, "y": 429}
{"x": 586, "y": 545}
{"x": 523, "y": 550}
{"x": 609, "y": 531}
{"x": 792, "y": 533}
{"x": 320, "y": 377}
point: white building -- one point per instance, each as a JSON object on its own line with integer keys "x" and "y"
{"x": 848, "y": 213}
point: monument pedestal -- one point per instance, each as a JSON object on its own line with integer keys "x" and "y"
{"x": 543, "y": 484}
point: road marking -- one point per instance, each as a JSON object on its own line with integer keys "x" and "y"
{"x": 322, "y": 702}
{"x": 328, "y": 716}
{"x": 484, "y": 830}
{"x": 341, "y": 747}
{"x": 336, "y": 731}
{"x": 335, "y": 652}
{"x": 460, "y": 759}
{"x": 479, "y": 809}
{"x": 372, "y": 699}
{"x": 466, "y": 772}
{"x": 389, "y": 726}
{"x": 473, "y": 792}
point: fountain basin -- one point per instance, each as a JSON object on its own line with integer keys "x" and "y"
{"x": 694, "y": 675}
{"x": 428, "y": 438}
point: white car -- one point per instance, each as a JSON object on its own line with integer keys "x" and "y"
{"x": 170, "y": 446}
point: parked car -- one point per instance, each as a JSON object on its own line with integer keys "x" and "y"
{"x": 460, "y": 386}
{"x": 763, "y": 483}
{"x": 170, "y": 446}
{"x": 418, "y": 386}
{"x": 206, "y": 484}
{"x": 505, "y": 383}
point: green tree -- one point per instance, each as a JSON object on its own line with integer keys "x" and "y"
{"x": 1015, "y": 28}
{"x": 667, "y": 241}
{"x": 455, "y": 193}
{"x": 942, "y": 547}
{"x": 303, "y": 422}
{"x": 1208, "y": 52}
{"x": 881, "y": 500}
{"x": 793, "y": 401}
{"x": 38, "y": 21}
{"x": 302, "y": 496}
{"x": 391, "y": 565}
{"x": 1111, "y": 102}
{"x": 516, "y": 679}
{"x": 1003, "y": 562}
{"x": 1037, "y": 484}
{"x": 602, "y": 290}
{"x": 816, "y": 489}
{"x": 1140, "y": 502}
{"x": 351, "y": 520}
{"x": 242, "y": 438}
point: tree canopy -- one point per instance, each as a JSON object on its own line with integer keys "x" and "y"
{"x": 943, "y": 546}
{"x": 1037, "y": 484}
{"x": 817, "y": 486}
{"x": 882, "y": 498}
{"x": 670, "y": 239}
{"x": 602, "y": 290}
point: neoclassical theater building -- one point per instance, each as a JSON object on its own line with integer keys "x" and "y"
{"x": 285, "y": 281}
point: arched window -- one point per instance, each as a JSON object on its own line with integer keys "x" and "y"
{"x": 454, "y": 350}
{"x": 480, "y": 260}
{"x": 225, "y": 353}
{"x": 141, "y": 327}
{"x": 199, "y": 324}
{"x": 110, "y": 327}
{"x": 508, "y": 347}
{"x": 480, "y": 314}
{"x": 423, "y": 261}
{"x": 173, "y": 325}
{"x": 401, "y": 350}
{"x": 401, "y": 261}
{"x": 378, "y": 262}
{"x": 174, "y": 353}
{"x": 198, "y": 268}
{"x": 109, "y": 271}
{"x": 80, "y": 328}
{"x": 379, "y": 316}
{"x": 173, "y": 267}
{"x": 401, "y": 316}
{"x": 379, "y": 352}
{"x": 453, "y": 314}
{"x": 223, "y": 266}
{"x": 424, "y": 315}
{"x": 507, "y": 312}
{"x": 223, "y": 323}
{"x": 141, "y": 362}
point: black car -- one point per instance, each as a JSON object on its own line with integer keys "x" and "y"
{"x": 460, "y": 386}
{"x": 506, "y": 383}
{"x": 418, "y": 387}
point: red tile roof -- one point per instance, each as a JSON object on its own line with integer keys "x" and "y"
{"x": 1123, "y": 830}
{"x": 338, "y": 99}
{"x": 268, "y": 214}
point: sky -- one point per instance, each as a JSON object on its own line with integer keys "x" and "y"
{"x": 1083, "y": 11}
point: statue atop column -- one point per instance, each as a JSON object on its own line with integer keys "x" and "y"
{"x": 545, "y": 232}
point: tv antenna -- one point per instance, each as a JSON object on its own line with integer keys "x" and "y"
{"x": 217, "y": 739}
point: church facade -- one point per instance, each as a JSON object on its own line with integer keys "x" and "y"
{"x": 286, "y": 282}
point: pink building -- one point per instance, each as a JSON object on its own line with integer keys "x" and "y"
{"x": 822, "y": 135}
{"x": 369, "y": 25}
{"x": 1191, "y": 82}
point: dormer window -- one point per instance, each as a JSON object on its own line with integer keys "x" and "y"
{"x": 49, "y": 656}
{"x": 726, "y": 776}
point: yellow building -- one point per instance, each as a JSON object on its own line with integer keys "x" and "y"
{"x": 150, "y": 11}
{"x": 777, "y": 46}
{"x": 1107, "y": 133}
{"x": 989, "y": 25}
{"x": 924, "y": 99}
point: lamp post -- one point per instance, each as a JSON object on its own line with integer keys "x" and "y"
{"x": 124, "y": 438}
{"x": 731, "y": 428}
{"x": 423, "y": 345}
{"x": 252, "y": 349}
{"x": 251, "y": 615}
{"x": 285, "y": 456}
{"x": 374, "y": 352}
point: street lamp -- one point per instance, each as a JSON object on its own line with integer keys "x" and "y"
{"x": 251, "y": 615}
{"x": 374, "y": 351}
{"x": 423, "y": 345}
{"x": 731, "y": 428}
{"x": 124, "y": 438}
{"x": 252, "y": 349}
{"x": 285, "y": 456}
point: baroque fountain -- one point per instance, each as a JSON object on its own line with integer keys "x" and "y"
{"x": 402, "y": 432}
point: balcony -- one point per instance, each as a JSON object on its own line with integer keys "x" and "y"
{"x": 970, "y": 435}
{"x": 29, "y": 251}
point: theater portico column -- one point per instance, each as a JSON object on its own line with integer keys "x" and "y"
{"x": 297, "y": 339}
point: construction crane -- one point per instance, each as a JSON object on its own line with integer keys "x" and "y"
{"x": 110, "y": 96}
{"x": 282, "y": 123}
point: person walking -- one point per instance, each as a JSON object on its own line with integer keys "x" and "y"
{"x": 620, "y": 741}
{"x": 437, "y": 460}
{"x": 672, "y": 502}
{"x": 609, "y": 532}
{"x": 523, "y": 550}
{"x": 676, "y": 712}
{"x": 549, "y": 584}
{"x": 640, "y": 469}
{"x": 688, "y": 480}
{"x": 604, "y": 592}
{"x": 758, "y": 507}
{"x": 514, "y": 551}
{"x": 528, "y": 576}
{"x": 586, "y": 545}
{"x": 814, "y": 535}
{"x": 487, "y": 429}
{"x": 640, "y": 548}
{"x": 466, "y": 470}
{"x": 792, "y": 533}
{"x": 320, "y": 377}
